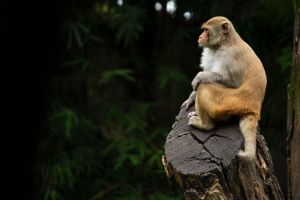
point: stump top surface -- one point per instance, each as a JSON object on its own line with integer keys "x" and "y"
{"x": 192, "y": 151}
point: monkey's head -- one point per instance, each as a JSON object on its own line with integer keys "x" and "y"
{"x": 215, "y": 31}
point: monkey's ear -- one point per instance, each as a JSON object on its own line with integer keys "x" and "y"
{"x": 225, "y": 27}
{"x": 202, "y": 25}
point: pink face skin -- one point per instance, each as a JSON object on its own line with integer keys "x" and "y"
{"x": 203, "y": 38}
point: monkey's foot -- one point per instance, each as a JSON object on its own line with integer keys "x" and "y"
{"x": 248, "y": 156}
{"x": 191, "y": 114}
{"x": 196, "y": 122}
{"x": 193, "y": 120}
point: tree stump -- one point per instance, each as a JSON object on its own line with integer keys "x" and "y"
{"x": 205, "y": 166}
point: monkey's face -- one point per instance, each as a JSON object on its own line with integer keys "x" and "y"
{"x": 211, "y": 37}
{"x": 214, "y": 33}
{"x": 204, "y": 38}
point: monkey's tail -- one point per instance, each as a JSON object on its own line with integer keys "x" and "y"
{"x": 248, "y": 127}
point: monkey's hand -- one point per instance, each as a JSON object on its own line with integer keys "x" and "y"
{"x": 201, "y": 77}
{"x": 190, "y": 101}
{"x": 209, "y": 77}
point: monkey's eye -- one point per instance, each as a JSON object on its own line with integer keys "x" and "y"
{"x": 205, "y": 29}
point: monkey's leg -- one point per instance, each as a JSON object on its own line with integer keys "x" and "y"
{"x": 248, "y": 127}
{"x": 202, "y": 120}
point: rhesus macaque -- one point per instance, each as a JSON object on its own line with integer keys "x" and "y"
{"x": 232, "y": 83}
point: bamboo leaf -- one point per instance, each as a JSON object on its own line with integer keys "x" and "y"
{"x": 77, "y": 36}
{"x": 96, "y": 39}
{"x": 73, "y": 62}
{"x": 166, "y": 76}
{"x": 83, "y": 28}
{"x": 107, "y": 76}
{"x": 69, "y": 39}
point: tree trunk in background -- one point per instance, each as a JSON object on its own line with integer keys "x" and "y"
{"x": 293, "y": 122}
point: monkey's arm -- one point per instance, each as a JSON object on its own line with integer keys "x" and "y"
{"x": 201, "y": 77}
{"x": 207, "y": 77}
{"x": 211, "y": 77}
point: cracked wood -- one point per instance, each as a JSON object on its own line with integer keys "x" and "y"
{"x": 204, "y": 164}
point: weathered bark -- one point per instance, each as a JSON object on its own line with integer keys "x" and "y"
{"x": 293, "y": 122}
{"x": 205, "y": 166}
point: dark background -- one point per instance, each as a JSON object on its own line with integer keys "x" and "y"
{"x": 91, "y": 89}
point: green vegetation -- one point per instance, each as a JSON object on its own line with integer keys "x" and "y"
{"x": 124, "y": 72}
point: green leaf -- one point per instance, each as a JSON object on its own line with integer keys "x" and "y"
{"x": 83, "y": 28}
{"x": 51, "y": 195}
{"x": 69, "y": 177}
{"x": 171, "y": 75}
{"x": 285, "y": 58}
{"x": 96, "y": 39}
{"x": 77, "y": 36}
{"x": 107, "y": 76}
{"x": 69, "y": 39}
{"x": 68, "y": 116}
{"x": 120, "y": 161}
{"x": 129, "y": 24}
{"x": 83, "y": 62}
{"x": 73, "y": 62}
{"x": 134, "y": 159}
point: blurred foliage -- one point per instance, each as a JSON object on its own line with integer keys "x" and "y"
{"x": 108, "y": 75}
{"x": 123, "y": 73}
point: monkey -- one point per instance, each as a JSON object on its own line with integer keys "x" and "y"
{"x": 232, "y": 83}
